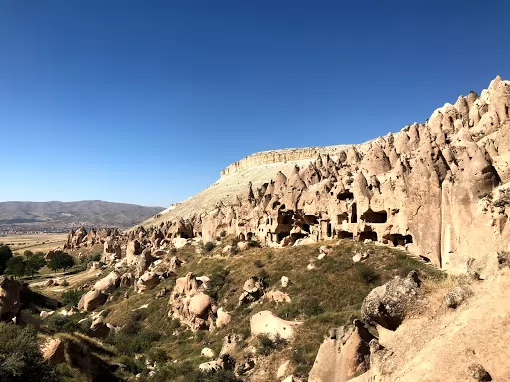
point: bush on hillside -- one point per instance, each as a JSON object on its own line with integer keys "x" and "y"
{"x": 5, "y": 255}
{"x": 20, "y": 357}
{"x": 72, "y": 297}
{"x": 209, "y": 246}
{"x": 266, "y": 345}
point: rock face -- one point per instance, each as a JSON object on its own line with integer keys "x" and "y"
{"x": 10, "y": 303}
{"x": 191, "y": 305}
{"x": 92, "y": 300}
{"x": 345, "y": 354}
{"x": 439, "y": 188}
{"x": 54, "y": 351}
{"x": 267, "y": 323}
{"x": 388, "y": 304}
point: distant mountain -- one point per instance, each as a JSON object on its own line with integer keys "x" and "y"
{"x": 60, "y": 216}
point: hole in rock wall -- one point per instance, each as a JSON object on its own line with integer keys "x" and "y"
{"x": 242, "y": 237}
{"x": 345, "y": 235}
{"x": 311, "y": 219}
{"x": 506, "y": 111}
{"x": 249, "y": 236}
{"x": 345, "y": 195}
{"x": 275, "y": 204}
{"x": 282, "y": 235}
{"x": 306, "y": 227}
{"x": 426, "y": 259}
{"x": 354, "y": 215}
{"x": 184, "y": 235}
{"x": 375, "y": 217}
{"x": 328, "y": 230}
{"x": 368, "y": 235}
{"x": 398, "y": 239}
{"x": 343, "y": 218}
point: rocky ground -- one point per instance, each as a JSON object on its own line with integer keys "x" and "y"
{"x": 330, "y": 311}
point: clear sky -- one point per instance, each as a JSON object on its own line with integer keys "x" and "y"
{"x": 147, "y": 101}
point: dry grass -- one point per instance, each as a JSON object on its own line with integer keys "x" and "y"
{"x": 34, "y": 242}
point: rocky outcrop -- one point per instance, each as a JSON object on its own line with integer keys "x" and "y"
{"x": 342, "y": 356}
{"x": 191, "y": 305}
{"x": 268, "y": 324}
{"x": 389, "y": 304}
{"x": 92, "y": 300}
{"x": 437, "y": 189}
{"x": 10, "y": 298}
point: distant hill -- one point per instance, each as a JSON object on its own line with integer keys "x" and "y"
{"x": 59, "y": 216}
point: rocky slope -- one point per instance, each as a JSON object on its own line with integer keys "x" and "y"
{"x": 438, "y": 188}
{"x": 64, "y": 215}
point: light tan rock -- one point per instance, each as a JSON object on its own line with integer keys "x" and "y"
{"x": 267, "y": 323}
{"x": 54, "y": 351}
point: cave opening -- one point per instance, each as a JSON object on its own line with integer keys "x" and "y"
{"x": 354, "y": 215}
{"x": 375, "y": 217}
{"x": 345, "y": 235}
{"x": 370, "y": 235}
{"x": 345, "y": 195}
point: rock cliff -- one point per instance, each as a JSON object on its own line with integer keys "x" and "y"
{"x": 440, "y": 189}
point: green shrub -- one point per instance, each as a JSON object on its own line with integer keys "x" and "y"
{"x": 72, "y": 297}
{"x": 209, "y": 246}
{"x": 266, "y": 344}
{"x": 20, "y": 357}
{"x": 258, "y": 263}
{"x": 366, "y": 273}
{"x": 313, "y": 307}
{"x": 212, "y": 376}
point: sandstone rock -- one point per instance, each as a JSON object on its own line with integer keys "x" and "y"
{"x": 253, "y": 290}
{"x": 478, "y": 373}
{"x": 388, "y": 304}
{"x": 209, "y": 366}
{"x": 54, "y": 351}
{"x": 344, "y": 355}
{"x": 277, "y": 296}
{"x": 282, "y": 369}
{"x": 223, "y": 317}
{"x": 242, "y": 245}
{"x": 325, "y": 250}
{"x": 199, "y": 304}
{"x": 207, "y": 352}
{"x": 285, "y": 281}
{"x": 147, "y": 281}
{"x": 10, "y": 298}
{"x": 127, "y": 280}
{"x": 98, "y": 329}
{"x": 92, "y": 300}
{"x": 267, "y": 323}
{"x": 359, "y": 257}
{"x": 108, "y": 283}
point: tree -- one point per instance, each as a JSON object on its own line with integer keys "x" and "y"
{"x": 61, "y": 260}
{"x": 16, "y": 266}
{"x": 20, "y": 357}
{"x": 5, "y": 255}
{"x": 28, "y": 254}
{"x": 34, "y": 263}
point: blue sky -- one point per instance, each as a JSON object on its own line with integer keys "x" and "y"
{"x": 147, "y": 101}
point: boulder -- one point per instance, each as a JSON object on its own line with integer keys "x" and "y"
{"x": 223, "y": 318}
{"x": 127, "y": 280}
{"x": 325, "y": 250}
{"x": 267, "y": 323}
{"x": 207, "y": 352}
{"x": 98, "y": 329}
{"x": 285, "y": 281}
{"x": 199, "y": 304}
{"x": 92, "y": 300}
{"x": 147, "y": 281}
{"x": 388, "y": 304}
{"x": 54, "y": 351}
{"x": 344, "y": 355}
{"x": 10, "y": 298}
{"x": 108, "y": 283}
{"x": 253, "y": 290}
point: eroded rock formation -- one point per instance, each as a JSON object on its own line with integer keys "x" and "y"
{"x": 439, "y": 189}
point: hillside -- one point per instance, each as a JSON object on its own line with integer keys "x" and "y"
{"x": 65, "y": 215}
{"x": 438, "y": 188}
